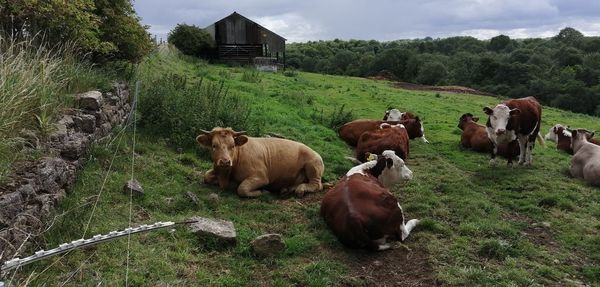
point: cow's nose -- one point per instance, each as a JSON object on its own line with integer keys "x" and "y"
{"x": 224, "y": 162}
{"x": 500, "y": 131}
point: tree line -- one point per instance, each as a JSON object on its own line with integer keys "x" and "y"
{"x": 108, "y": 30}
{"x": 562, "y": 71}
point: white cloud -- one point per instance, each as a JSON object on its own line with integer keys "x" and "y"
{"x": 384, "y": 19}
{"x": 291, "y": 26}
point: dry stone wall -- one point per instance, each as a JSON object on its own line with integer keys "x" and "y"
{"x": 27, "y": 202}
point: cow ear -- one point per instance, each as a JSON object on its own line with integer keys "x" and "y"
{"x": 488, "y": 111}
{"x": 592, "y": 133}
{"x": 475, "y": 119}
{"x": 204, "y": 140}
{"x": 389, "y": 162}
{"x": 515, "y": 112}
{"x": 417, "y": 119}
{"x": 573, "y": 134}
{"x": 240, "y": 140}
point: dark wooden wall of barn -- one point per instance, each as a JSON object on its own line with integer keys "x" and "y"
{"x": 238, "y": 30}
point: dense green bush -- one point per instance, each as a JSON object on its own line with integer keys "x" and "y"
{"x": 175, "y": 109}
{"x": 191, "y": 40}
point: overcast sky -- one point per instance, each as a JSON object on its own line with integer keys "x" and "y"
{"x": 383, "y": 20}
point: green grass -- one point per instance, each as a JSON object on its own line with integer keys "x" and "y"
{"x": 522, "y": 226}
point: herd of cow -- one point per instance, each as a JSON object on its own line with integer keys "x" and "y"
{"x": 359, "y": 208}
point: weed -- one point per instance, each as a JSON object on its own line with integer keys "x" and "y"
{"x": 251, "y": 76}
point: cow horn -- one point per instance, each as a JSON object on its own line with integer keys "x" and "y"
{"x": 240, "y": 133}
{"x": 204, "y": 132}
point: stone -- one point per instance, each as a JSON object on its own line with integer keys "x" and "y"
{"x": 91, "y": 100}
{"x": 85, "y": 123}
{"x": 268, "y": 245}
{"x": 213, "y": 197}
{"x": 134, "y": 186}
{"x": 221, "y": 230}
{"x": 193, "y": 197}
{"x": 75, "y": 146}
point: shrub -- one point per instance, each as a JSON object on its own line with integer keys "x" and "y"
{"x": 290, "y": 72}
{"x": 191, "y": 40}
{"x": 338, "y": 117}
{"x": 251, "y": 76}
{"x": 174, "y": 109}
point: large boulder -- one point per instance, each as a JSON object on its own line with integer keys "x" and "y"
{"x": 221, "y": 230}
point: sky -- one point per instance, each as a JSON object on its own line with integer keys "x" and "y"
{"x": 382, "y": 20}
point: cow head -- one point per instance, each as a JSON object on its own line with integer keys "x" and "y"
{"x": 580, "y": 135}
{"x": 393, "y": 115}
{"x": 392, "y": 169}
{"x": 465, "y": 118}
{"x": 556, "y": 131}
{"x": 222, "y": 143}
{"x": 499, "y": 118}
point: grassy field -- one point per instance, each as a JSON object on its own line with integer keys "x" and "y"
{"x": 522, "y": 226}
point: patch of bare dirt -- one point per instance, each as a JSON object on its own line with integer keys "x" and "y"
{"x": 448, "y": 89}
{"x": 402, "y": 266}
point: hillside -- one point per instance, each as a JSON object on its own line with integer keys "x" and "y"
{"x": 480, "y": 226}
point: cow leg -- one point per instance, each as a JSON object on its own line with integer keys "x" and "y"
{"x": 529, "y": 156}
{"x": 210, "y": 177}
{"x": 382, "y": 244}
{"x": 493, "y": 159}
{"x": 522, "y": 149}
{"x": 250, "y": 186}
{"x": 313, "y": 171}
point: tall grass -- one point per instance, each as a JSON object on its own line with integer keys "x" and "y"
{"x": 35, "y": 80}
{"x": 175, "y": 103}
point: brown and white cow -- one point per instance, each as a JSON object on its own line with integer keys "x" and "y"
{"x": 351, "y": 132}
{"x": 515, "y": 121}
{"x": 387, "y": 137}
{"x": 586, "y": 160}
{"x": 361, "y": 211}
{"x": 562, "y": 137}
{"x": 397, "y": 115}
{"x": 270, "y": 163}
{"x": 474, "y": 137}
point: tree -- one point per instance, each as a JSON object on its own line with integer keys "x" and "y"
{"x": 191, "y": 40}
{"x": 499, "y": 42}
{"x": 570, "y": 37}
{"x": 432, "y": 73}
{"x": 121, "y": 27}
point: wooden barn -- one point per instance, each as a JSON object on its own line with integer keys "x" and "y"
{"x": 241, "y": 40}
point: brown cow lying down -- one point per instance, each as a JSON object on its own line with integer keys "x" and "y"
{"x": 396, "y": 115}
{"x": 586, "y": 161}
{"x": 255, "y": 163}
{"x": 562, "y": 137}
{"x": 361, "y": 211}
{"x": 387, "y": 137}
{"x": 351, "y": 132}
{"x": 475, "y": 137}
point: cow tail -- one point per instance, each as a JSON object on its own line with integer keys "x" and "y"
{"x": 541, "y": 140}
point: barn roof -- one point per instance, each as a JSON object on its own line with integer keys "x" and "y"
{"x": 247, "y": 19}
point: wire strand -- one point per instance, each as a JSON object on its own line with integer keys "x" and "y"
{"x": 133, "y": 110}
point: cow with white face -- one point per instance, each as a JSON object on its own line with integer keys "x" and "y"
{"x": 393, "y": 115}
{"x": 515, "y": 122}
{"x": 360, "y": 209}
